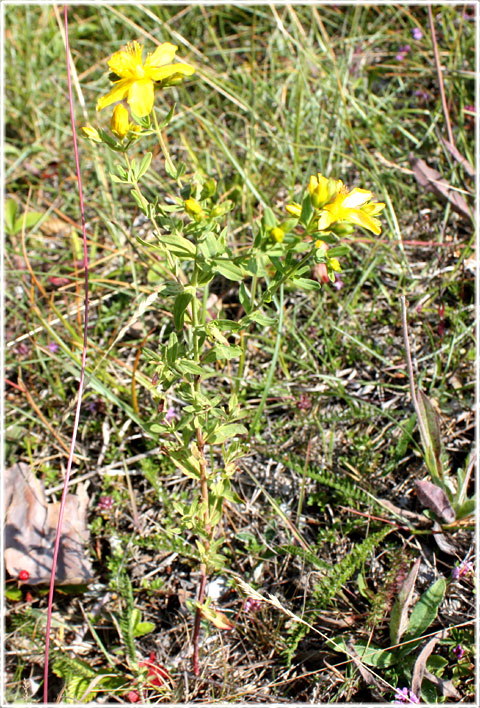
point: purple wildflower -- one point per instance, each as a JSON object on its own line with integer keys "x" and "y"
{"x": 53, "y": 346}
{"x": 338, "y": 284}
{"x": 402, "y": 52}
{"x": 464, "y": 568}
{"x": 170, "y": 415}
{"x": 105, "y": 503}
{"x": 251, "y": 605}
{"x": 417, "y": 33}
{"x": 22, "y": 349}
{"x": 470, "y": 108}
{"x": 421, "y": 93}
{"x": 304, "y": 403}
{"x": 404, "y": 695}
{"x": 459, "y": 651}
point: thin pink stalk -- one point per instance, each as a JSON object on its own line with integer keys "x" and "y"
{"x": 82, "y": 373}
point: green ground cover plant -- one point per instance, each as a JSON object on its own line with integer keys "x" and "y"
{"x": 276, "y": 435}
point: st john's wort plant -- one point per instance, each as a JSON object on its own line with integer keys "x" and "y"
{"x": 192, "y": 238}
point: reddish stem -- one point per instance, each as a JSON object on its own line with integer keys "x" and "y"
{"x": 82, "y": 373}
{"x": 203, "y": 567}
{"x": 198, "y": 617}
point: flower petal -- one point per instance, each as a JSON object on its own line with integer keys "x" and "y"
{"x": 326, "y": 219}
{"x": 161, "y": 73}
{"x": 118, "y": 93}
{"x": 358, "y": 217}
{"x": 124, "y": 63}
{"x": 357, "y": 198}
{"x": 163, "y": 54}
{"x": 374, "y": 208}
{"x": 140, "y": 97}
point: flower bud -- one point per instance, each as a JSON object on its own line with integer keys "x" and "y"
{"x": 321, "y": 245}
{"x": 92, "y": 133}
{"x": 342, "y": 229}
{"x": 277, "y": 234}
{"x": 333, "y": 187}
{"x": 193, "y": 208}
{"x": 318, "y": 188}
{"x": 294, "y": 209}
{"x": 222, "y": 208}
{"x": 120, "y": 123}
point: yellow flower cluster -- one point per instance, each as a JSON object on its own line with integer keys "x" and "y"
{"x": 136, "y": 78}
{"x": 333, "y": 203}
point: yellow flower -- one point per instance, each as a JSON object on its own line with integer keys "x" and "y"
{"x": 352, "y": 207}
{"x": 92, "y": 133}
{"x": 323, "y": 189}
{"x": 294, "y": 209}
{"x": 136, "y": 79}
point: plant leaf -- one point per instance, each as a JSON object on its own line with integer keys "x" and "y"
{"x": 225, "y": 432}
{"x": 10, "y": 212}
{"x": 182, "y": 301}
{"x": 426, "y": 609}
{"x": 432, "y": 427}
{"x": 435, "y": 499}
{"x": 143, "y": 628}
{"x": 229, "y": 270}
{"x": 399, "y": 615}
{"x": 367, "y": 653}
{"x": 218, "y": 619}
{"x": 144, "y": 165}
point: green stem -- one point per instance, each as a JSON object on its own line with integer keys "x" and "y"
{"x": 244, "y": 339}
{"x": 271, "y": 371}
{"x": 163, "y": 146}
{"x": 267, "y": 296}
{"x": 196, "y": 352}
{"x": 135, "y": 183}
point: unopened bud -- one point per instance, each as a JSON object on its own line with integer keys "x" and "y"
{"x": 92, "y": 133}
{"x": 332, "y": 189}
{"x": 120, "y": 123}
{"x": 294, "y": 209}
{"x": 277, "y": 234}
{"x": 193, "y": 208}
{"x": 342, "y": 229}
{"x": 321, "y": 245}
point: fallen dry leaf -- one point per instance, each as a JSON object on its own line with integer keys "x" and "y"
{"x": 400, "y": 611}
{"x": 30, "y": 529}
{"x": 445, "y": 687}
{"x": 441, "y": 540}
{"x": 469, "y": 169}
{"x": 433, "y": 181}
{"x": 420, "y": 667}
{"x": 218, "y": 619}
